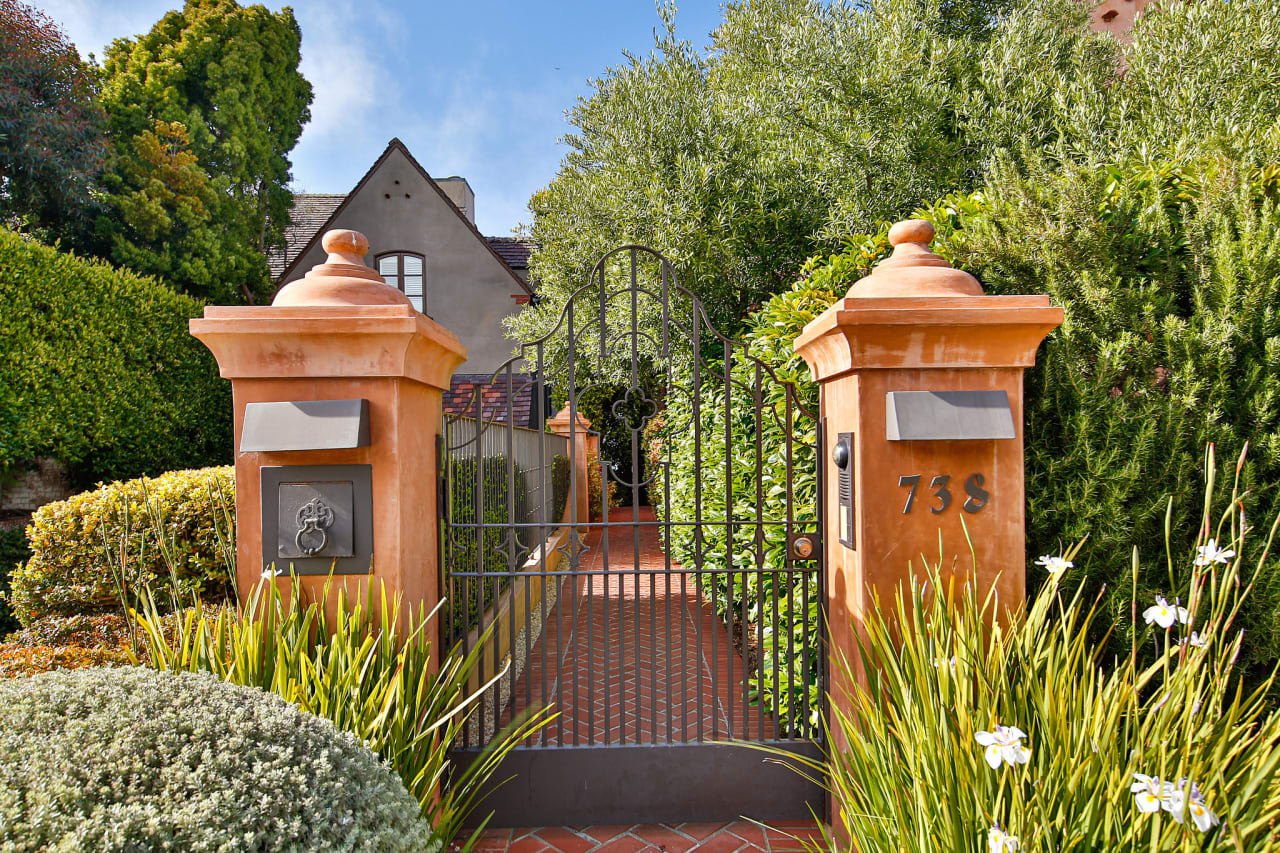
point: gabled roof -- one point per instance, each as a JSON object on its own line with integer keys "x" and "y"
{"x": 394, "y": 145}
{"x": 308, "y": 215}
{"x": 514, "y": 250}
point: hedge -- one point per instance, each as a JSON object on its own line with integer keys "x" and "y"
{"x": 74, "y": 543}
{"x": 1170, "y": 279}
{"x": 125, "y": 758}
{"x": 98, "y": 370}
{"x": 13, "y": 550}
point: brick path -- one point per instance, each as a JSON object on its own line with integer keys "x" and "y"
{"x": 736, "y": 837}
{"x": 633, "y": 654}
{"x": 621, "y": 659}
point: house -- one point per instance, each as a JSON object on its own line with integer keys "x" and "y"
{"x": 1116, "y": 16}
{"x": 423, "y": 240}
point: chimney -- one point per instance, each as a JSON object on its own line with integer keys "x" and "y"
{"x": 461, "y": 194}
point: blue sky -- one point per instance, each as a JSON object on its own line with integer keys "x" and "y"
{"x": 476, "y": 88}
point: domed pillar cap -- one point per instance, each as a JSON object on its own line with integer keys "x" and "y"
{"x": 343, "y": 279}
{"x": 913, "y": 270}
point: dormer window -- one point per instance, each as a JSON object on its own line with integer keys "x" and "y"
{"x": 403, "y": 271}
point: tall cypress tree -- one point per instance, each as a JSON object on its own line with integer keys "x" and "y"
{"x": 219, "y": 83}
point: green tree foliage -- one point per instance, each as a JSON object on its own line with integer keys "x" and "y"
{"x": 97, "y": 369}
{"x": 52, "y": 147}
{"x": 164, "y": 204}
{"x": 219, "y": 82}
{"x": 800, "y": 123}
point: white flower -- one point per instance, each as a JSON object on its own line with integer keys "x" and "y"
{"x": 1201, "y": 815}
{"x": 1174, "y": 801}
{"x": 1147, "y": 792}
{"x": 1196, "y": 641}
{"x": 1054, "y": 565}
{"x": 1165, "y": 614}
{"x": 1002, "y": 745}
{"x": 940, "y": 662}
{"x": 1209, "y": 552}
{"x": 999, "y": 841}
{"x": 273, "y": 571}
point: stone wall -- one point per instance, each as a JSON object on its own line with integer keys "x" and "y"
{"x": 28, "y": 490}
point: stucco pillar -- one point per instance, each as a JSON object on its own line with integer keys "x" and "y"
{"x": 337, "y": 389}
{"x": 921, "y": 379}
{"x": 584, "y": 444}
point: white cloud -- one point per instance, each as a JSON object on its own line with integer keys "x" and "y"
{"x": 91, "y": 25}
{"x": 342, "y": 60}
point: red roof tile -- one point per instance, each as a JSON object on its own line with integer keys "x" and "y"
{"x": 460, "y": 399}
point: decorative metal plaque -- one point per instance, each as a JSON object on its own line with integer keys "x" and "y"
{"x": 317, "y": 519}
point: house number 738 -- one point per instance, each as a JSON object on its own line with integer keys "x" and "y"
{"x": 976, "y": 499}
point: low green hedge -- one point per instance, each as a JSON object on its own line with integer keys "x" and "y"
{"x": 98, "y": 369}
{"x": 131, "y": 759}
{"x": 76, "y": 542}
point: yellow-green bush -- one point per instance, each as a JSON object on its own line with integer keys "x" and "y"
{"x": 75, "y": 564}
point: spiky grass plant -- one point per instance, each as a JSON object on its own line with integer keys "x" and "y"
{"x": 981, "y": 729}
{"x": 390, "y": 689}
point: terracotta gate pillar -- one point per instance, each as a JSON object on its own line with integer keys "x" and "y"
{"x": 585, "y": 445}
{"x": 337, "y": 389}
{"x": 921, "y": 378}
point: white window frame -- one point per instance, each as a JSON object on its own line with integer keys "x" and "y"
{"x": 400, "y": 255}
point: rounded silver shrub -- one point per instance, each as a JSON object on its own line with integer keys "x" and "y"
{"x": 131, "y": 759}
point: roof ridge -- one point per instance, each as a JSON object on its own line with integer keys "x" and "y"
{"x": 396, "y": 144}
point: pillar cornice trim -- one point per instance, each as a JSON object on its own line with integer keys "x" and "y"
{"x": 893, "y": 333}
{"x": 392, "y": 341}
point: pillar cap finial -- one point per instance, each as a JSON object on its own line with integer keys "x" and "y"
{"x": 913, "y": 270}
{"x": 343, "y": 279}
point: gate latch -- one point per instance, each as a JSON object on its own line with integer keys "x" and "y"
{"x": 804, "y": 546}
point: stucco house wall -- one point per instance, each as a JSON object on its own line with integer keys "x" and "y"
{"x": 468, "y": 287}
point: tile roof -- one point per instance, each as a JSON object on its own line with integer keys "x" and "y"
{"x": 460, "y": 398}
{"x": 514, "y": 250}
{"x": 308, "y": 215}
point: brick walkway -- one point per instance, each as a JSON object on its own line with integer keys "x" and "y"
{"x": 737, "y": 837}
{"x": 633, "y": 654}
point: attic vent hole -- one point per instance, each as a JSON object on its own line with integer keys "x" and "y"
{"x": 1110, "y": 16}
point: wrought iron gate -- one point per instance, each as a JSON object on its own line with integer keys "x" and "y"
{"x": 661, "y": 629}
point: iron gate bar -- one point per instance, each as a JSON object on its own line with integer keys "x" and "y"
{"x": 614, "y": 639}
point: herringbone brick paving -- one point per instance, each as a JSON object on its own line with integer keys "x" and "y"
{"x": 735, "y": 837}
{"x": 633, "y": 654}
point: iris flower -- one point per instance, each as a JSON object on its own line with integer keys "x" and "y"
{"x": 999, "y": 841}
{"x": 1149, "y": 792}
{"x": 1003, "y": 745}
{"x": 1165, "y": 614}
{"x": 1209, "y": 552}
{"x": 1054, "y": 565}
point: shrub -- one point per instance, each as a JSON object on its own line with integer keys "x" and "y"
{"x": 97, "y": 369}
{"x": 946, "y": 667}
{"x": 13, "y": 550}
{"x": 68, "y": 642}
{"x": 1169, "y": 274}
{"x": 131, "y": 759}
{"x": 367, "y": 665}
{"x": 178, "y": 526}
